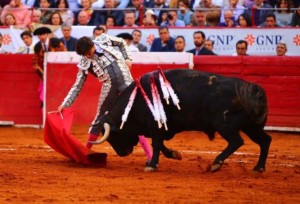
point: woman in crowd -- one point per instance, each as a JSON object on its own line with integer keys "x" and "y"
{"x": 110, "y": 21}
{"x": 64, "y": 10}
{"x": 283, "y": 13}
{"x": 243, "y": 21}
{"x": 55, "y": 19}
{"x": 9, "y": 20}
{"x": 184, "y": 12}
{"x": 295, "y": 22}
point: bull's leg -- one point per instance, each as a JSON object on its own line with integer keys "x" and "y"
{"x": 234, "y": 141}
{"x": 157, "y": 145}
{"x": 260, "y": 137}
{"x": 170, "y": 153}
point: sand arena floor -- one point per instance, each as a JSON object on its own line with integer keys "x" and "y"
{"x": 31, "y": 172}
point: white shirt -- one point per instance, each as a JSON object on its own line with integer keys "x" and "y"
{"x": 28, "y": 3}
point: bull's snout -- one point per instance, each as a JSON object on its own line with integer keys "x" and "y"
{"x": 125, "y": 152}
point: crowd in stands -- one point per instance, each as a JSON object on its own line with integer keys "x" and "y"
{"x": 133, "y": 13}
{"x": 104, "y": 14}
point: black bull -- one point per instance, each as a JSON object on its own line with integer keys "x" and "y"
{"x": 209, "y": 103}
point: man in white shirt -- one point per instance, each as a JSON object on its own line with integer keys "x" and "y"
{"x": 29, "y": 45}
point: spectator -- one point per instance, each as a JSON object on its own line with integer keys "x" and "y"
{"x": 209, "y": 44}
{"x": 36, "y": 17}
{"x": 227, "y": 2}
{"x": 95, "y": 4}
{"x": 199, "y": 18}
{"x": 236, "y": 9}
{"x": 64, "y": 10}
{"x": 38, "y": 66}
{"x": 195, "y": 3}
{"x": 73, "y": 6}
{"x": 97, "y": 31}
{"x": 149, "y": 3}
{"x": 229, "y": 19}
{"x": 56, "y": 45}
{"x": 19, "y": 11}
{"x": 171, "y": 19}
{"x": 213, "y": 12}
{"x": 43, "y": 34}
{"x": 243, "y": 21}
{"x": 89, "y": 13}
{"x": 29, "y": 45}
{"x": 159, "y": 9}
{"x": 36, "y": 20}
{"x": 270, "y": 21}
{"x": 55, "y": 19}
{"x": 295, "y": 22}
{"x": 2, "y": 50}
{"x": 281, "y": 49}
{"x": 9, "y": 20}
{"x": 261, "y": 10}
{"x": 248, "y": 3}
{"x": 139, "y": 8}
{"x": 37, "y": 4}
{"x": 150, "y": 18}
{"x": 165, "y": 43}
{"x": 241, "y": 48}
{"x": 28, "y": 3}
{"x": 110, "y": 21}
{"x": 68, "y": 40}
{"x": 121, "y": 4}
{"x": 184, "y": 12}
{"x": 137, "y": 35}
{"x": 83, "y": 18}
{"x": 99, "y": 17}
{"x": 199, "y": 39}
{"x": 179, "y": 44}
{"x": 283, "y": 13}
{"x": 128, "y": 39}
{"x": 87, "y": 6}
{"x": 46, "y": 13}
{"x": 129, "y": 19}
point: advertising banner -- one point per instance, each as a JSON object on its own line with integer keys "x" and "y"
{"x": 262, "y": 41}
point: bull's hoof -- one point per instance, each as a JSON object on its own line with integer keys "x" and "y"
{"x": 215, "y": 167}
{"x": 176, "y": 155}
{"x": 150, "y": 169}
{"x": 258, "y": 169}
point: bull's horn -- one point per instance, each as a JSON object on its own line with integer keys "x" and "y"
{"x": 105, "y": 136}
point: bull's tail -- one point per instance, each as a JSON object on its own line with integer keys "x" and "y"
{"x": 253, "y": 99}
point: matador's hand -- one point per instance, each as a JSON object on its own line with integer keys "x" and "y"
{"x": 128, "y": 63}
{"x": 60, "y": 108}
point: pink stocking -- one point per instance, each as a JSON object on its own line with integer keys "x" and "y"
{"x": 145, "y": 144}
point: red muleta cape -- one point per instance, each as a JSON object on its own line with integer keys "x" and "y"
{"x": 57, "y": 136}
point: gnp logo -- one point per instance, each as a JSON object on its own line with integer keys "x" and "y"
{"x": 296, "y": 40}
{"x": 265, "y": 40}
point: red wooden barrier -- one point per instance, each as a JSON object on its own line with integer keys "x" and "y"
{"x": 279, "y": 76}
{"x": 19, "y": 98}
{"x": 19, "y": 101}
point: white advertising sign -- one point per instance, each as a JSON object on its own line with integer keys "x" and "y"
{"x": 261, "y": 41}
